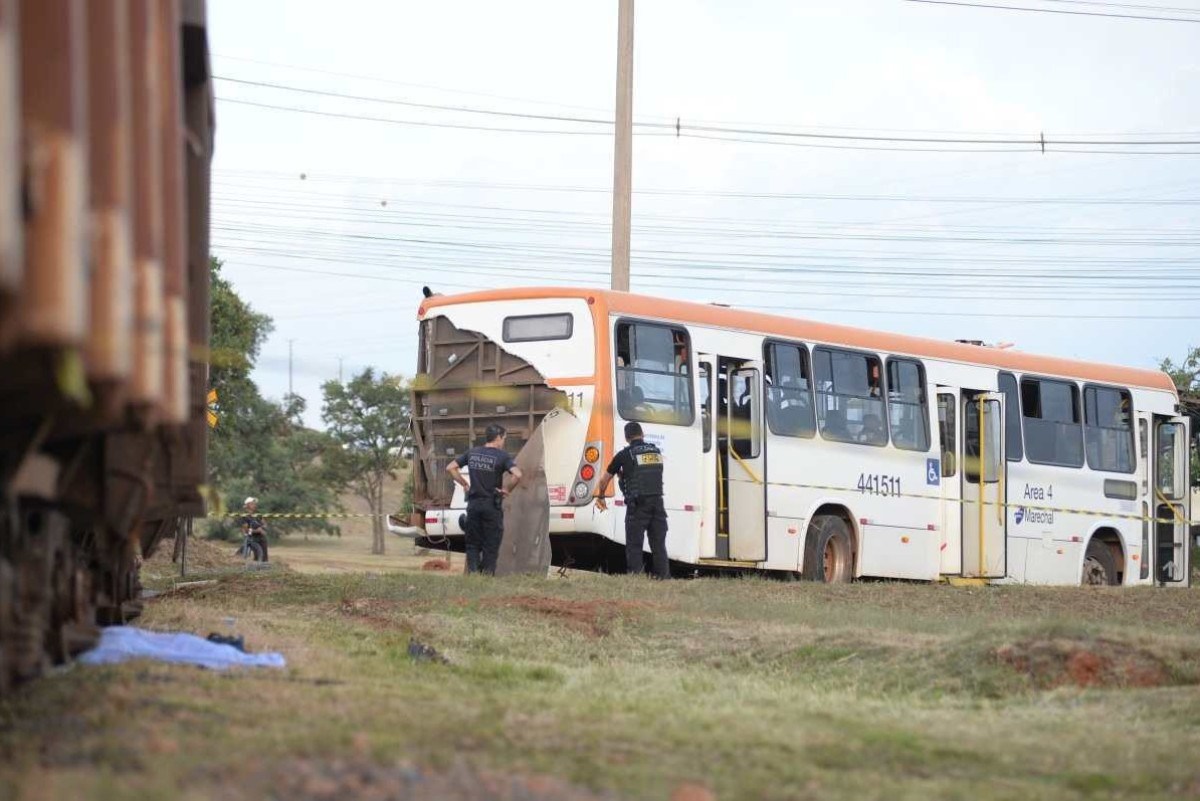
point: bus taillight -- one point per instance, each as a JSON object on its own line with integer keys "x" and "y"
{"x": 585, "y": 481}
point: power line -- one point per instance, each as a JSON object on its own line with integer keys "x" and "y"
{"x": 1054, "y": 11}
{"x": 693, "y": 192}
{"x": 414, "y": 104}
{"x": 718, "y": 228}
{"x": 681, "y": 129}
{"x": 942, "y": 279}
{"x": 556, "y": 219}
{"x": 377, "y": 79}
{"x": 940, "y": 313}
{"x": 867, "y": 237}
{"x": 607, "y": 110}
{"x": 417, "y": 123}
{"x": 598, "y": 278}
{"x": 1163, "y": 9}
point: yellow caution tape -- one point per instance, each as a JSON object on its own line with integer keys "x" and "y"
{"x": 926, "y": 496}
{"x": 825, "y": 487}
{"x": 302, "y": 515}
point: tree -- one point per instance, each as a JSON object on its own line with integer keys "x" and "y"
{"x": 258, "y": 447}
{"x": 368, "y": 420}
{"x": 1186, "y": 376}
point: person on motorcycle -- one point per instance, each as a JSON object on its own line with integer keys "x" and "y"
{"x": 252, "y": 527}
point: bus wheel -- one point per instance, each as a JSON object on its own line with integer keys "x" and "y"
{"x": 1099, "y": 567}
{"x": 829, "y": 552}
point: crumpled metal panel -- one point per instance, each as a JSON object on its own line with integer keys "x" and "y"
{"x": 526, "y": 544}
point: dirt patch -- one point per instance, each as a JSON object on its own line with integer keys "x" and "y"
{"x": 367, "y": 607}
{"x": 436, "y": 564}
{"x": 336, "y": 779}
{"x": 594, "y": 618}
{"x": 377, "y": 613}
{"x": 1085, "y": 663}
{"x": 203, "y": 555}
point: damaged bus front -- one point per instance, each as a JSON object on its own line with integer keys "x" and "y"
{"x": 523, "y": 362}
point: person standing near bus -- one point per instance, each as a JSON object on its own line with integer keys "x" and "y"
{"x": 487, "y": 465}
{"x": 252, "y": 526}
{"x": 640, "y": 467}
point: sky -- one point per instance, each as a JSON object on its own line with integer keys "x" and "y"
{"x": 338, "y": 192}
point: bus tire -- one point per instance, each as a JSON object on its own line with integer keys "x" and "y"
{"x": 829, "y": 551}
{"x": 1099, "y": 566}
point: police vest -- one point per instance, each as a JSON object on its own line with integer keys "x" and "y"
{"x": 646, "y": 471}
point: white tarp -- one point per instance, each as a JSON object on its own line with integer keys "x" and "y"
{"x": 122, "y": 643}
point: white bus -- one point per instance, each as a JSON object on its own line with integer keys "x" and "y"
{"x": 824, "y": 450}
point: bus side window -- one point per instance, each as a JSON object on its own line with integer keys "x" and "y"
{"x": 789, "y": 391}
{"x": 1012, "y": 417}
{"x": 947, "y": 434}
{"x": 1108, "y": 429}
{"x": 1052, "y": 422}
{"x": 706, "y": 406}
{"x": 652, "y": 366}
{"x": 907, "y": 410}
{"x": 850, "y": 406}
{"x": 744, "y": 434}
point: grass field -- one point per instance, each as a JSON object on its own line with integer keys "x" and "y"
{"x": 593, "y": 687}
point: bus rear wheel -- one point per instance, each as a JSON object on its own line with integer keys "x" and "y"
{"x": 1099, "y": 566}
{"x": 829, "y": 551}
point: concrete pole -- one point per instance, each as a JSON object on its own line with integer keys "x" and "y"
{"x": 623, "y": 149}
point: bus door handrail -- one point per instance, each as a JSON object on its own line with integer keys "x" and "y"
{"x": 733, "y": 452}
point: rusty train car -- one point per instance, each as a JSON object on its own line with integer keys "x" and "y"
{"x": 106, "y": 133}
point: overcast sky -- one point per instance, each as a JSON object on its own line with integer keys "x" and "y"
{"x": 950, "y": 245}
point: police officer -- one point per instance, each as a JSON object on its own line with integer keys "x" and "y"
{"x": 487, "y": 465}
{"x": 640, "y": 467}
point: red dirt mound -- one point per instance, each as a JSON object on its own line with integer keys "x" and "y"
{"x": 594, "y": 617}
{"x": 436, "y": 564}
{"x": 1085, "y": 663}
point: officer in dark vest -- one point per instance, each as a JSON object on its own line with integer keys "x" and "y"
{"x": 640, "y": 467}
{"x": 487, "y": 466}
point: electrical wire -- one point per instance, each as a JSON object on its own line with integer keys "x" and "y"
{"x": 706, "y": 131}
{"x": 1054, "y": 11}
{"x": 695, "y": 192}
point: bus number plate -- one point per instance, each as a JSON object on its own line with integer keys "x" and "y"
{"x": 875, "y": 484}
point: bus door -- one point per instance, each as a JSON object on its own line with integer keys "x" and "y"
{"x": 741, "y": 462}
{"x": 1171, "y": 500}
{"x": 950, "y": 523}
{"x": 984, "y": 494}
{"x": 709, "y": 513}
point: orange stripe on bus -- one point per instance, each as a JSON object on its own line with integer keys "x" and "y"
{"x": 603, "y": 302}
{"x": 573, "y": 381}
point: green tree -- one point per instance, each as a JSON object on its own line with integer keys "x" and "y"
{"x": 1186, "y": 375}
{"x": 368, "y": 420}
{"x": 258, "y": 447}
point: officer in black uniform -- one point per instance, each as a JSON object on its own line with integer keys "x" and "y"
{"x": 487, "y": 465}
{"x": 640, "y": 466}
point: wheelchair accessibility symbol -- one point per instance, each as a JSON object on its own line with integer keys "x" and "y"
{"x": 933, "y": 472}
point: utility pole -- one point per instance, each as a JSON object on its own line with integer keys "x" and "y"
{"x": 623, "y": 149}
{"x": 340, "y": 370}
{"x": 290, "y": 341}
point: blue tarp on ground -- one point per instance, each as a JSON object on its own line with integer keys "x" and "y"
{"x": 122, "y": 643}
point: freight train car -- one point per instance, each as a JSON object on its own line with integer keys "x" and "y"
{"x": 106, "y": 131}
